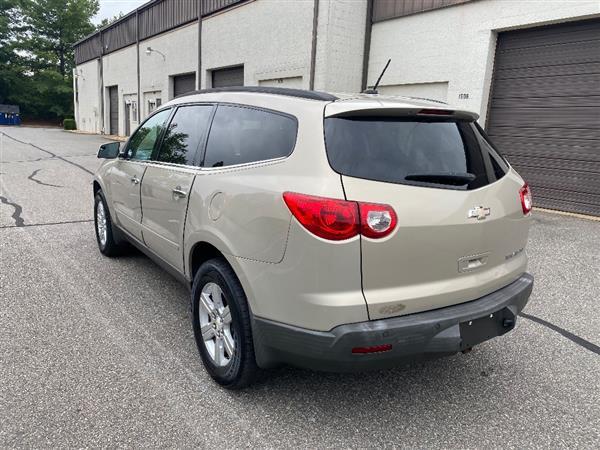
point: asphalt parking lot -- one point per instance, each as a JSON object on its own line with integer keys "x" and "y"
{"x": 100, "y": 352}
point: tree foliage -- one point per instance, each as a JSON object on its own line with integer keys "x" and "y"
{"x": 10, "y": 60}
{"x": 107, "y": 21}
{"x": 36, "y": 53}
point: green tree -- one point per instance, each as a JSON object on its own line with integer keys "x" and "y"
{"x": 52, "y": 27}
{"x": 7, "y": 23}
{"x": 174, "y": 147}
{"x": 106, "y": 21}
{"x": 10, "y": 61}
{"x": 36, "y": 53}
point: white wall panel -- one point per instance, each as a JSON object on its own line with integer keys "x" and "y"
{"x": 340, "y": 45}
{"x": 272, "y": 39}
{"x": 120, "y": 69}
{"x": 433, "y": 91}
{"x": 180, "y": 48}
{"x": 87, "y": 109}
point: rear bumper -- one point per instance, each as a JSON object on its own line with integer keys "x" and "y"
{"x": 423, "y": 335}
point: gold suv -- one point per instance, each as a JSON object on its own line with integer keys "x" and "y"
{"x": 325, "y": 231}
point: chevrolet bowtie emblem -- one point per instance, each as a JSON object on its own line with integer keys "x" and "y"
{"x": 479, "y": 212}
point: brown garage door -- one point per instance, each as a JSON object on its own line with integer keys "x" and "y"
{"x": 113, "y": 109}
{"x": 182, "y": 84}
{"x": 232, "y": 76}
{"x": 545, "y": 112}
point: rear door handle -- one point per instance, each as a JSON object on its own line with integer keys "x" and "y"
{"x": 178, "y": 192}
{"x": 135, "y": 180}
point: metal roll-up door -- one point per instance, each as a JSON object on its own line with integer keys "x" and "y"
{"x": 113, "y": 109}
{"x": 232, "y": 76}
{"x": 182, "y": 84}
{"x": 545, "y": 111}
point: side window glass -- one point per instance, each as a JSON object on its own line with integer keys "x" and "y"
{"x": 241, "y": 135}
{"x": 142, "y": 142}
{"x": 184, "y": 134}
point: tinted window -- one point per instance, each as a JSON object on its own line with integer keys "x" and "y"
{"x": 241, "y": 135}
{"x": 142, "y": 142}
{"x": 401, "y": 150}
{"x": 499, "y": 163}
{"x": 184, "y": 134}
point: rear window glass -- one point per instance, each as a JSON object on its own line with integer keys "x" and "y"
{"x": 437, "y": 153}
{"x": 240, "y": 135}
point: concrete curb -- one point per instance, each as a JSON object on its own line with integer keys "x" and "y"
{"x": 565, "y": 213}
{"x": 107, "y": 136}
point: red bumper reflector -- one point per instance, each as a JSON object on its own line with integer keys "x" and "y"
{"x": 373, "y": 349}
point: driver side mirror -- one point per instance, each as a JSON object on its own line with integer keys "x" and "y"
{"x": 110, "y": 150}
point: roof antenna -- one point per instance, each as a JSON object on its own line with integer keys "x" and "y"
{"x": 373, "y": 90}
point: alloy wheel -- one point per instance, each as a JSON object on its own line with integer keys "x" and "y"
{"x": 101, "y": 225}
{"x": 215, "y": 325}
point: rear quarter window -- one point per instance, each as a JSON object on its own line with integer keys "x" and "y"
{"x": 432, "y": 152}
{"x": 240, "y": 135}
{"x": 499, "y": 162}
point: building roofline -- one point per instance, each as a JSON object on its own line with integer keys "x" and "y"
{"x": 119, "y": 20}
{"x": 145, "y": 6}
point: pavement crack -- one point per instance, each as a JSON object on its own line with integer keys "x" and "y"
{"x": 27, "y": 225}
{"x": 34, "y": 173}
{"x": 28, "y": 160}
{"x": 16, "y": 215}
{"x": 54, "y": 155}
{"x": 572, "y": 337}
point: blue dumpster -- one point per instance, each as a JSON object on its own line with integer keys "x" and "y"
{"x": 10, "y": 115}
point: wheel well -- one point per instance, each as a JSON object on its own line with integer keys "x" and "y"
{"x": 203, "y": 251}
{"x": 96, "y": 187}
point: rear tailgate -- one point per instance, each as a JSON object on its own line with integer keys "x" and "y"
{"x": 437, "y": 256}
{"x": 461, "y": 230}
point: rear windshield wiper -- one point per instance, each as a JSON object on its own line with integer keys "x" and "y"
{"x": 452, "y": 178}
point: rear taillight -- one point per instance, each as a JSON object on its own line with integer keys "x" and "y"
{"x": 328, "y": 218}
{"x": 526, "y": 199}
{"x": 376, "y": 221}
{"x": 338, "y": 220}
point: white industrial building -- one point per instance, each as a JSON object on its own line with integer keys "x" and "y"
{"x": 530, "y": 68}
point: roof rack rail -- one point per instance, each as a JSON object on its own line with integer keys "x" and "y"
{"x": 300, "y": 93}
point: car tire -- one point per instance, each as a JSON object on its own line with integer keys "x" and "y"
{"x": 224, "y": 339}
{"x": 107, "y": 244}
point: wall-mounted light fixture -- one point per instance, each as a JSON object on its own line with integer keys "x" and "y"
{"x": 149, "y": 50}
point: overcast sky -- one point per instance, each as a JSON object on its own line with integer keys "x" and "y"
{"x": 111, "y": 8}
